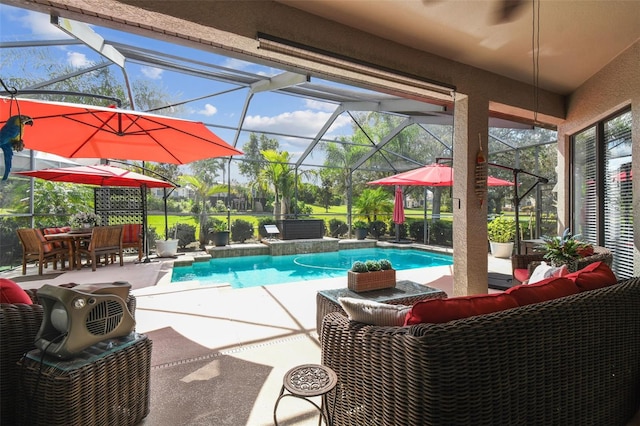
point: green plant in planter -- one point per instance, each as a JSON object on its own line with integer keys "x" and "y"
{"x": 564, "y": 249}
{"x": 372, "y": 265}
{"x": 501, "y": 230}
{"x": 219, "y": 226}
{"x": 359, "y": 266}
{"x": 360, "y": 224}
{"x": 385, "y": 264}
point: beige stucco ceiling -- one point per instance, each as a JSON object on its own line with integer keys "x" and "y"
{"x": 577, "y": 37}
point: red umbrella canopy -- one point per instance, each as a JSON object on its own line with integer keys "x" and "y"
{"x": 431, "y": 175}
{"x": 398, "y": 207}
{"x": 81, "y": 131}
{"x": 494, "y": 181}
{"x": 100, "y": 174}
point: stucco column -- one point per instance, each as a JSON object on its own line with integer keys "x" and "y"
{"x": 470, "y": 246}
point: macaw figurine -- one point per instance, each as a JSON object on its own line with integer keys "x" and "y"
{"x": 11, "y": 139}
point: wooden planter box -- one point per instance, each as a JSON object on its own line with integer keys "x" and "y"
{"x": 367, "y": 281}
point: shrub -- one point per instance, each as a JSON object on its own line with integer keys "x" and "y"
{"x": 184, "y": 233}
{"x": 402, "y": 228}
{"x": 337, "y": 228}
{"x": 377, "y": 229}
{"x": 416, "y": 230}
{"x": 241, "y": 230}
{"x": 264, "y": 221}
{"x": 441, "y": 233}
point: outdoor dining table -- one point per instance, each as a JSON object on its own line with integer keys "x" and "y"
{"x": 73, "y": 239}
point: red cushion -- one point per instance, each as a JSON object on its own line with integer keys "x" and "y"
{"x": 11, "y": 292}
{"x": 550, "y": 288}
{"x": 521, "y": 274}
{"x": 593, "y": 276}
{"x": 444, "y": 310}
{"x": 60, "y": 230}
{"x": 46, "y": 247}
{"x": 131, "y": 232}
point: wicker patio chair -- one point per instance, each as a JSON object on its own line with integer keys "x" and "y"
{"x": 36, "y": 247}
{"x": 105, "y": 241}
{"x": 523, "y": 265}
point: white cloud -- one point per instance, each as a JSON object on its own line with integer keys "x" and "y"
{"x": 323, "y": 106}
{"x": 208, "y": 110}
{"x": 151, "y": 72}
{"x": 39, "y": 24}
{"x": 304, "y": 123}
{"x": 78, "y": 60}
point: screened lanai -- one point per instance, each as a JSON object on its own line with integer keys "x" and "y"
{"x": 309, "y": 117}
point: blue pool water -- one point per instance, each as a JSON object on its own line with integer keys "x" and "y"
{"x": 252, "y": 271}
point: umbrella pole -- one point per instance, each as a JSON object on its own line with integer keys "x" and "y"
{"x": 144, "y": 223}
{"x": 424, "y": 231}
{"x": 166, "y": 219}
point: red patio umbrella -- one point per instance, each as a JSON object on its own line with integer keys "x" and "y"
{"x": 494, "y": 181}
{"x": 104, "y": 175}
{"x": 99, "y": 174}
{"x": 81, "y": 131}
{"x": 398, "y": 208}
{"x": 430, "y": 175}
{"x": 398, "y": 211}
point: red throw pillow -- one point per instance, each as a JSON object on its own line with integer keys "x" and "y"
{"x": 548, "y": 289}
{"x": 11, "y": 292}
{"x": 593, "y": 276}
{"x": 436, "y": 311}
{"x": 521, "y": 274}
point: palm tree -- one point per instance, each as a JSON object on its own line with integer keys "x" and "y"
{"x": 373, "y": 202}
{"x": 279, "y": 175}
{"x": 203, "y": 191}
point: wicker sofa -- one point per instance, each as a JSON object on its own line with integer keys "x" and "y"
{"x": 572, "y": 360}
{"x": 19, "y": 324}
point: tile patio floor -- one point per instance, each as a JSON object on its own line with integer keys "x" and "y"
{"x": 200, "y": 330}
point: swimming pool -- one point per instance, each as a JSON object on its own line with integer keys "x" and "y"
{"x": 253, "y": 271}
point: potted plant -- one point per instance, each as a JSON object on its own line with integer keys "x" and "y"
{"x": 361, "y": 229}
{"x": 565, "y": 249}
{"x": 501, "y": 232}
{"x": 220, "y": 233}
{"x": 371, "y": 275}
{"x": 84, "y": 221}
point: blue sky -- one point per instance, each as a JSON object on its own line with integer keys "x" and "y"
{"x": 269, "y": 112}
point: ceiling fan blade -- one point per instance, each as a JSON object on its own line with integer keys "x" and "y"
{"x": 508, "y": 10}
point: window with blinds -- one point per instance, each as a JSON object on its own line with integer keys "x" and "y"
{"x": 602, "y": 209}
{"x": 618, "y": 206}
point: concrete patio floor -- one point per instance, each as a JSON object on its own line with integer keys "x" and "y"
{"x": 219, "y": 353}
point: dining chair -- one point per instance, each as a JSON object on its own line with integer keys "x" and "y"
{"x": 132, "y": 238}
{"x": 36, "y": 247}
{"x": 105, "y": 241}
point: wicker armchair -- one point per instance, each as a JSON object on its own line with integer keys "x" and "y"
{"x": 19, "y": 324}
{"x": 523, "y": 265}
